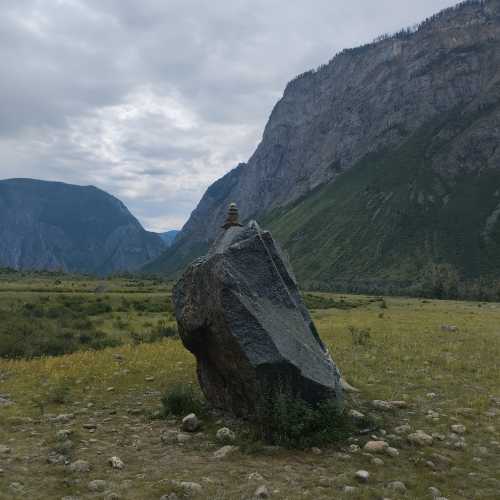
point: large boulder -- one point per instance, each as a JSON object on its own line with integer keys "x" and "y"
{"x": 240, "y": 313}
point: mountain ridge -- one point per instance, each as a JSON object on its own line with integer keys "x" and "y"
{"x": 365, "y": 100}
{"x": 55, "y": 225}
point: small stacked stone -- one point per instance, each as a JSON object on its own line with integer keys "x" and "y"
{"x": 232, "y": 218}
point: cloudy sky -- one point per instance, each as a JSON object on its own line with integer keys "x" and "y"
{"x": 152, "y": 100}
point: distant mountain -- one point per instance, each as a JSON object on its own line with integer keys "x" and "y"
{"x": 379, "y": 165}
{"x": 51, "y": 225}
{"x": 169, "y": 237}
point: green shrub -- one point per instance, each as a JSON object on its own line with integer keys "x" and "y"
{"x": 359, "y": 336}
{"x": 180, "y": 400}
{"x": 287, "y": 420}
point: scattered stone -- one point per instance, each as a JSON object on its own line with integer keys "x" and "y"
{"x": 381, "y": 405}
{"x": 63, "y": 418}
{"x": 375, "y": 446}
{"x": 392, "y": 452}
{"x": 182, "y": 437}
{"x": 262, "y": 492}
{"x": 149, "y": 379}
{"x": 434, "y": 492}
{"x": 377, "y": 461}
{"x": 5, "y": 401}
{"x": 225, "y": 451}
{"x": 55, "y": 458}
{"x": 4, "y": 450}
{"x": 354, "y": 448}
{"x": 90, "y": 426}
{"x": 80, "y": 467}
{"x": 420, "y": 438}
{"x": 116, "y": 463}
{"x": 398, "y": 486}
{"x": 255, "y": 476}
{"x": 249, "y": 294}
{"x": 225, "y": 435}
{"x": 356, "y": 415}
{"x": 403, "y": 429}
{"x": 459, "y": 429}
{"x": 190, "y": 423}
{"x": 362, "y": 476}
{"x": 170, "y": 496}
{"x": 190, "y": 489}
{"x": 316, "y": 450}
{"x": 449, "y": 328}
{"x": 98, "y": 485}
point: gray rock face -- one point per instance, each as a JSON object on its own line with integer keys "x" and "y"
{"x": 52, "y": 225}
{"x": 365, "y": 100}
{"x": 240, "y": 313}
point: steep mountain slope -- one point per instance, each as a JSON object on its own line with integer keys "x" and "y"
{"x": 168, "y": 237}
{"x": 356, "y": 118}
{"x": 51, "y": 225}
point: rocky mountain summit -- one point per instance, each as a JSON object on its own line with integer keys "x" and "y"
{"x": 51, "y": 225}
{"x": 367, "y": 104}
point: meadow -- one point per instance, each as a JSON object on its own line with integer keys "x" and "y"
{"x": 94, "y": 395}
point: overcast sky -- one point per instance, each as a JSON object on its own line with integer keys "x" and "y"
{"x": 153, "y": 100}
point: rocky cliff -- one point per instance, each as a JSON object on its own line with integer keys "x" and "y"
{"x": 51, "y": 225}
{"x": 369, "y": 101}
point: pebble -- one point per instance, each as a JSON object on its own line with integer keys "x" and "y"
{"x": 459, "y": 429}
{"x": 403, "y": 429}
{"x": 4, "y": 450}
{"x": 189, "y": 488}
{"x": 375, "y": 446}
{"x": 225, "y": 435}
{"x": 392, "y": 452}
{"x": 398, "y": 486}
{"x": 190, "y": 423}
{"x": 420, "y": 438}
{"x": 357, "y": 415}
{"x": 225, "y": 451}
{"x": 98, "y": 485}
{"x": 116, "y": 463}
{"x": 80, "y": 467}
{"x": 255, "y": 476}
{"x": 377, "y": 461}
{"x": 434, "y": 492}
{"x": 262, "y": 492}
{"x": 362, "y": 476}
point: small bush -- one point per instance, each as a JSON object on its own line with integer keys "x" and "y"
{"x": 59, "y": 394}
{"x": 360, "y": 336}
{"x": 289, "y": 421}
{"x": 180, "y": 400}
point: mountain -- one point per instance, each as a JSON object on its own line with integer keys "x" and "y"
{"x": 380, "y": 164}
{"x": 169, "y": 236}
{"x": 51, "y": 225}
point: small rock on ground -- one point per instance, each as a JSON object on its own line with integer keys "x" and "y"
{"x": 262, "y": 492}
{"x": 190, "y": 423}
{"x": 362, "y": 476}
{"x": 225, "y": 451}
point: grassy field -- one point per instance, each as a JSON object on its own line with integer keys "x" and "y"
{"x": 440, "y": 357}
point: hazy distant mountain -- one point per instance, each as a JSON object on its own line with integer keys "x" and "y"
{"x": 379, "y": 164}
{"x": 51, "y": 225}
{"x": 169, "y": 236}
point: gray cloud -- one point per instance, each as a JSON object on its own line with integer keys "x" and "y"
{"x": 154, "y": 100}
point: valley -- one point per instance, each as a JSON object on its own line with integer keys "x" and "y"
{"x": 439, "y": 357}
